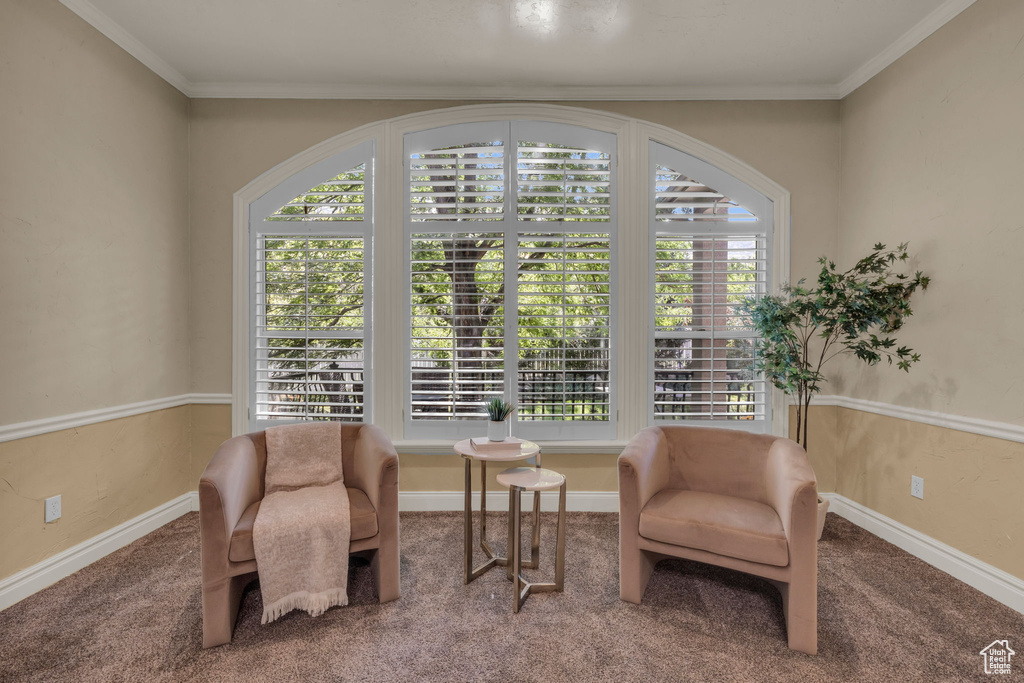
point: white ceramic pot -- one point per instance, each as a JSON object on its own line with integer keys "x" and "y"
{"x": 497, "y": 430}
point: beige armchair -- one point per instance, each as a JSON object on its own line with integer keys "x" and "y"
{"x": 230, "y": 492}
{"x": 725, "y": 497}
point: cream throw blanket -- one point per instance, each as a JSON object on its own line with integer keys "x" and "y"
{"x": 303, "y": 526}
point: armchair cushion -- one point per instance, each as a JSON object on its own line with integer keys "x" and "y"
{"x": 735, "y": 527}
{"x": 364, "y": 525}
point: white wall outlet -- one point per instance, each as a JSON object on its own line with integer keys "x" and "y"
{"x": 52, "y": 509}
{"x": 917, "y": 487}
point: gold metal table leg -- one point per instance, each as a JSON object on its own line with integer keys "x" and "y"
{"x": 523, "y": 588}
{"x": 492, "y": 559}
{"x": 517, "y": 559}
{"x": 560, "y": 542}
{"x": 511, "y": 536}
{"x": 468, "y": 523}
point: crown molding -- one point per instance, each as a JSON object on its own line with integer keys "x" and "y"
{"x": 573, "y": 93}
{"x": 129, "y": 43}
{"x": 938, "y": 18}
{"x": 569, "y": 93}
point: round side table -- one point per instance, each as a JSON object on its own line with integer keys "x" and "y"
{"x": 519, "y": 479}
{"x": 527, "y": 450}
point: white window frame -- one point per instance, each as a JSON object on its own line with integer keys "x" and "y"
{"x": 390, "y": 298}
{"x": 510, "y": 227}
{"x": 259, "y": 225}
{"x": 744, "y": 195}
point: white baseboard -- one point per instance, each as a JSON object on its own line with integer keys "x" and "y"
{"x": 575, "y": 501}
{"x": 37, "y": 577}
{"x": 991, "y": 581}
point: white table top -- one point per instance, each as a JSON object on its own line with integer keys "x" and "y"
{"x": 531, "y": 478}
{"x": 527, "y": 449}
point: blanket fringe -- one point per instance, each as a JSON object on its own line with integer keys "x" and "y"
{"x": 313, "y": 603}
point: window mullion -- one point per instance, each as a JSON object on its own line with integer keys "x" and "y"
{"x": 511, "y": 298}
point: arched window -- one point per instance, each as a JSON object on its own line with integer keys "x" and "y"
{"x": 310, "y": 295}
{"x": 586, "y": 266}
{"x": 710, "y": 251}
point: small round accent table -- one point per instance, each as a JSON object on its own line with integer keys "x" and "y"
{"x": 519, "y": 479}
{"x": 527, "y": 450}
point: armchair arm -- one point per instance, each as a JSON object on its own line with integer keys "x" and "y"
{"x": 792, "y": 490}
{"x": 229, "y": 484}
{"x": 375, "y": 466}
{"x": 643, "y": 471}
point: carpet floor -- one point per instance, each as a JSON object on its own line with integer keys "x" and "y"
{"x": 883, "y": 616}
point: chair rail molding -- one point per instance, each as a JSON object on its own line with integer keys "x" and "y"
{"x": 21, "y": 430}
{"x": 1007, "y": 431}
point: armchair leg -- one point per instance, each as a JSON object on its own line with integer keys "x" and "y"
{"x": 384, "y": 564}
{"x": 220, "y": 609}
{"x": 800, "y": 605}
{"x": 635, "y": 567}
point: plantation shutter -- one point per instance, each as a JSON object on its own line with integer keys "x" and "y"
{"x": 509, "y": 295}
{"x": 457, "y": 354}
{"x": 564, "y": 322}
{"x": 452, "y": 179}
{"x": 311, "y": 298}
{"x": 710, "y": 253}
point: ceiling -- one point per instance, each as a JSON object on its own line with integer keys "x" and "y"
{"x": 518, "y": 49}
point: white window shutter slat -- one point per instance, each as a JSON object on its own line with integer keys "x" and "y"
{"x": 710, "y": 253}
{"x": 564, "y": 327}
{"x": 341, "y": 198}
{"x": 458, "y": 183}
{"x": 310, "y": 327}
{"x": 457, "y": 314}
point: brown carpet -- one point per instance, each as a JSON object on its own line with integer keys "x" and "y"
{"x": 884, "y": 616}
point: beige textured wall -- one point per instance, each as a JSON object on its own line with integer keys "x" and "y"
{"x": 234, "y": 141}
{"x": 972, "y": 483}
{"x": 94, "y": 286}
{"x": 822, "y": 443}
{"x": 106, "y": 473}
{"x": 94, "y": 268}
{"x": 933, "y": 154}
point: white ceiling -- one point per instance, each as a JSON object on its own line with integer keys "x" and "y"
{"x": 518, "y": 49}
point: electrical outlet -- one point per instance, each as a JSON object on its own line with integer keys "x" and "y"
{"x": 52, "y": 509}
{"x": 917, "y": 487}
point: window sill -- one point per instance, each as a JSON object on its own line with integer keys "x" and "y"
{"x": 438, "y": 447}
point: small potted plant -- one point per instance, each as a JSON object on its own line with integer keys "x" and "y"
{"x": 498, "y": 411}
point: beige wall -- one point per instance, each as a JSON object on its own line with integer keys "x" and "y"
{"x": 94, "y": 267}
{"x": 234, "y": 141}
{"x": 106, "y": 474}
{"x": 972, "y": 483}
{"x": 94, "y": 287}
{"x": 933, "y": 154}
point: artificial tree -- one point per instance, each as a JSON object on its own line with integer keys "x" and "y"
{"x": 853, "y": 311}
